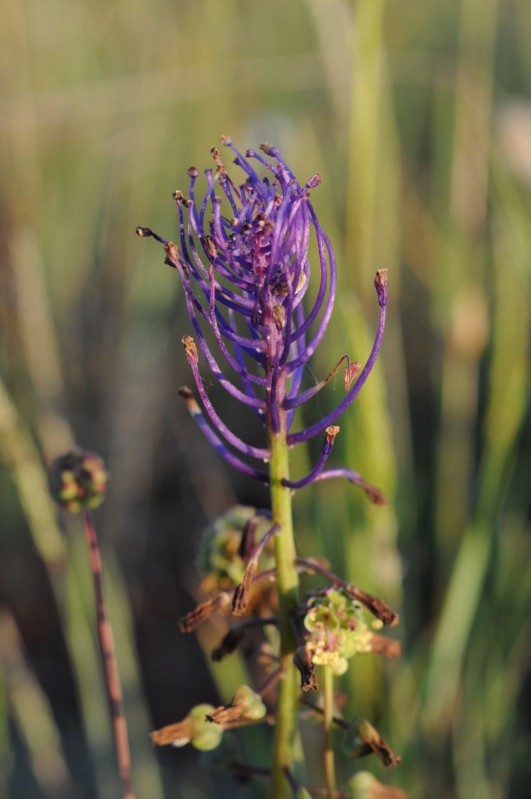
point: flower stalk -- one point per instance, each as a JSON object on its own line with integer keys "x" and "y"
{"x": 110, "y": 666}
{"x": 78, "y": 482}
{"x": 329, "y": 766}
{"x": 288, "y": 599}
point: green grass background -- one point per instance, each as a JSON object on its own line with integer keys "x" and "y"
{"x": 418, "y": 117}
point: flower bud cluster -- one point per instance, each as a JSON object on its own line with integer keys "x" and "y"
{"x": 335, "y": 629}
{"x": 221, "y": 559}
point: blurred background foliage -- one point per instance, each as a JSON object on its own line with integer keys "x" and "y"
{"x": 418, "y": 117}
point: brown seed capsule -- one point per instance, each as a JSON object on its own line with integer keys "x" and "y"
{"x": 78, "y": 480}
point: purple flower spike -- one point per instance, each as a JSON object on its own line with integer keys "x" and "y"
{"x": 243, "y": 257}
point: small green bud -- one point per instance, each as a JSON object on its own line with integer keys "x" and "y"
{"x": 78, "y": 480}
{"x": 250, "y": 703}
{"x": 206, "y": 735}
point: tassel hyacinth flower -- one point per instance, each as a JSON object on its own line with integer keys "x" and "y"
{"x": 245, "y": 255}
{"x": 245, "y": 276}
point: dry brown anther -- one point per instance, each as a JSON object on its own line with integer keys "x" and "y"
{"x": 210, "y": 247}
{"x": 368, "y": 736}
{"x": 351, "y": 372}
{"x": 204, "y": 610}
{"x": 267, "y": 148}
{"x": 143, "y": 232}
{"x": 303, "y": 663}
{"x": 331, "y": 433}
{"x": 216, "y": 155}
{"x": 248, "y": 543}
{"x": 172, "y": 254}
{"x": 190, "y": 348}
{"x": 381, "y": 281}
{"x": 313, "y": 181}
{"x": 377, "y": 606}
{"x": 179, "y": 197}
{"x": 279, "y": 316}
{"x": 177, "y": 734}
{"x": 240, "y": 599}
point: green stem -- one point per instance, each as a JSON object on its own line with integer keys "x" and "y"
{"x": 328, "y": 720}
{"x": 288, "y": 598}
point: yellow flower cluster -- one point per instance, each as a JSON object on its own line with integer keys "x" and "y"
{"x": 335, "y": 629}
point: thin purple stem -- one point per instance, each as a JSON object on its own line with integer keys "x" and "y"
{"x": 317, "y": 470}
{"x": 327, "y": 313}
{"x": 234, "y": 391}
{"x": 373, "y": 493}
{"x": 219, "y": 424}
{"x": 197, "y": 415}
